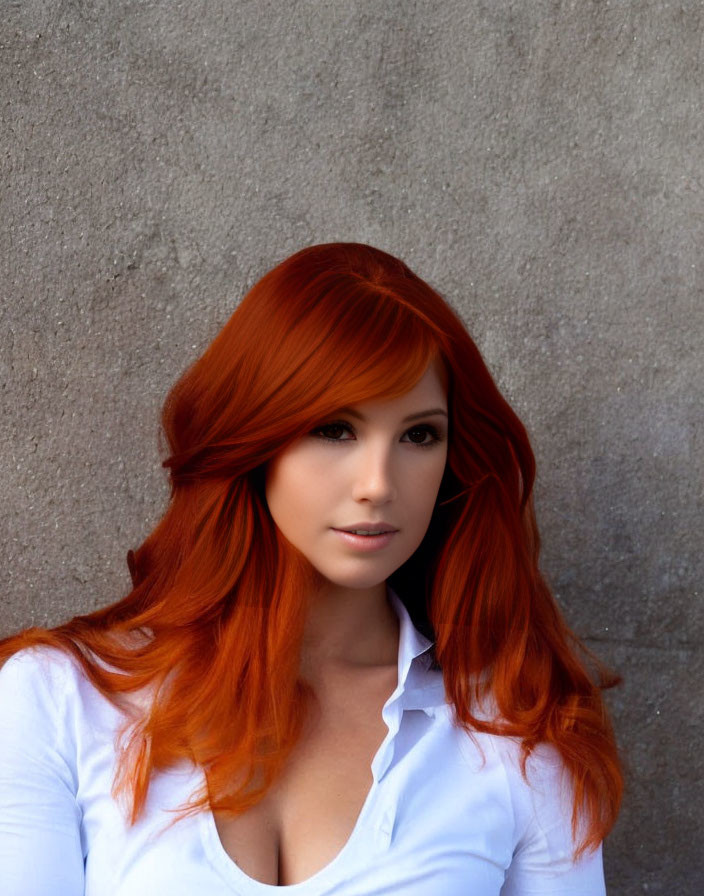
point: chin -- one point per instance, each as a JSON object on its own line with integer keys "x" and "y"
{"x": 356, "y": 581}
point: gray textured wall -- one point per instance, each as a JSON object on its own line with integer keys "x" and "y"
{"x": 538, "y": 162}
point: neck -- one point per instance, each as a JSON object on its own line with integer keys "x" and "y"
{"x": 351, "y": 627}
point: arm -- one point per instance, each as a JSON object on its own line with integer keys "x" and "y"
{"x": 542, "y": 863}
{"x": 40, "y": 842}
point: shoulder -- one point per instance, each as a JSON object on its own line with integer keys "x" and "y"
{"x": 42, "y": 672}
{"x": 541, "y": 788}
{"x": 543, "y": 796}
{"x": 38, "y": 734}
{"x": 47, "y": 688}
{"x": 538, "y": 798}
{"x": 544, "y": 844}
{"x": 545, "y": 771}
{"x": 538, "y": 807}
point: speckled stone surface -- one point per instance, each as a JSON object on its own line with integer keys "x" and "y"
{"x": 541, "y": 164}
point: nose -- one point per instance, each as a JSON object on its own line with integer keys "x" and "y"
{"x": 374, "y": 476}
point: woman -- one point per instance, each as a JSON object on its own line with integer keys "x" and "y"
{"x": 339, "y": 669}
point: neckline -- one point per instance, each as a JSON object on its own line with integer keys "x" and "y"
{"x": 244, "y": 885}
{"x": 411, "y": 645}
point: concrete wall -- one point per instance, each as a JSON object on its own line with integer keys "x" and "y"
{"x": 538, "y": 162}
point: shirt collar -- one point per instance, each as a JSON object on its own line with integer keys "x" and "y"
{"x": 419, "y": 686}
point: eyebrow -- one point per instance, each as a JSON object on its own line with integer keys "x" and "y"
{"x": 429, "y": 413}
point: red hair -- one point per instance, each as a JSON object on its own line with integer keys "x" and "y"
{"x": 219, "y": 596}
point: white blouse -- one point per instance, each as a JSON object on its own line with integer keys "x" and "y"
{"x": 446, "y": 813}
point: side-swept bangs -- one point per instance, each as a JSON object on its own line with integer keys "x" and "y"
{"x": 365, "y": 344}
{"x": 302, "y": 343}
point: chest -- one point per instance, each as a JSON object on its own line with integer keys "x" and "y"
{"x": 309, "y": 814}
{"x": 438, "y": 817}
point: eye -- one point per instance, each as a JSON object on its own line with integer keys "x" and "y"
{"x": 330, "y": 431}
{"x": 423, "y": 431}
{"x": 423, "y": 436}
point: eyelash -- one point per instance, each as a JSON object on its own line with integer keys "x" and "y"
{"x": 425, "y": 427}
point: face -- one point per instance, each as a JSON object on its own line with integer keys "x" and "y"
{"x": 378, "y": 463}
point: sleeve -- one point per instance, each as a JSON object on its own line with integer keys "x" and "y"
{"x": 543, "y": 863}
{"x": 40, "y": 840}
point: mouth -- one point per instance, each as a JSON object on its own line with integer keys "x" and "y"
{"x": 366, "y": 539}
{"x": 368, "y": 529}
{"x": 367, "y": 533}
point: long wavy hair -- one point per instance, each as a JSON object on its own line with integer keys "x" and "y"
{"x": 211, "y": 630}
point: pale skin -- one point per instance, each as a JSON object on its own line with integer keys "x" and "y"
{"x": 367, "y": 467}
{"x": 382, "y": 468}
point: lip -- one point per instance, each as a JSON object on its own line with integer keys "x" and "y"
{"x": 365, "y": 543}
{"x": 380, "y": 526}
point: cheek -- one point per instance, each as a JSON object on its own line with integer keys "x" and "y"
{"x": 294, "y": 489}
{"x": 424, "y": 493}
{"x": 427, "y": 483}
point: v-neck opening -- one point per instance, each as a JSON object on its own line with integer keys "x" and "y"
{"x": 411, "y": 644}
{"x": 243, "y": 884}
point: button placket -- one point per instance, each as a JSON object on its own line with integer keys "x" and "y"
{"x": 385, "y": 829}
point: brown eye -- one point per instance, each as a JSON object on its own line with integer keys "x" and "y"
{"x": 422, "y": 432}
{"x": 331, "y": 431}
